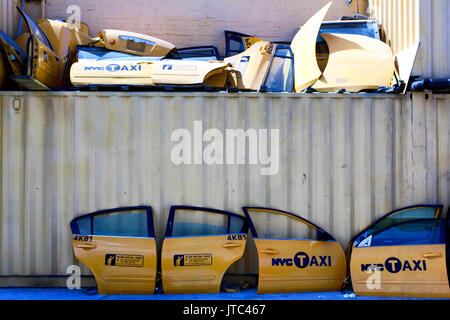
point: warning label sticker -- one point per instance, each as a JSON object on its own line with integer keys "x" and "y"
{"x": 124, "y": 260}
{"x": 199, "y": 259}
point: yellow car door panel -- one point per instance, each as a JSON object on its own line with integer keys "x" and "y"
{"x": 351, "y": 58}
{"x": 119, "y": 247}
{"x": 306, "y": 68}
{"x": 299, "y": 258}
{"x": 407, "y": 259}
{"x": 199, "y": 246}
{"x": 44, "y": 69}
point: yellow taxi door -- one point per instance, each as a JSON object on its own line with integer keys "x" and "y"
{"x": 45, "y": 68}
{"x": 199, "y": 246}
{"x": 407, "y": 259}
{"x": 294, "y": 255}
{"x": 119, "y": 247}
{"x": 422, "y": 211}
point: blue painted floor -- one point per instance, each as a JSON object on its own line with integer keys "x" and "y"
{"x": 249, "y": 294}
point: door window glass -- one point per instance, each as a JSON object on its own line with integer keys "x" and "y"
{"x": 429, "y": 231}
{"x": 197, "y": 223}
{"x": 280, "y": 76}
{"x": 272, "y": 224}
{"x": 194, "y": 221}
{"x": 126, "y": 224}
{"x": 84, "y": 225}
{"x": 36, "y": 30}
{"x": 399, "y": 216}
{"x": 121, "y": 222}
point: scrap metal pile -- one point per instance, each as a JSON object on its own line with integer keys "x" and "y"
{"x": 338, "y": 56}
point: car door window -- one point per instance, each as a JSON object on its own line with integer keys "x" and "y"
{"x": 234, "y": 43}
{"x": 276, "y": 224}
{"x": 208, "y": 53}
{"x": 280, "y": 76}
{"x": 416, "y": 232}
{"x": 399, "y": 216}
{"x": 194, "y": 221}
{"x": 121, "y": 222}
{"x": 36, "y": 30}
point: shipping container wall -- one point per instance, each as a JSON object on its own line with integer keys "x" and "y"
{"x": 9, "y": 17}
{"x": 407, "y": 21}
{"x": 344, "y": 160}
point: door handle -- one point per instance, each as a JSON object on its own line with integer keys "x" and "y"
{"x": 87, "y": 245}
{"x": 432, "y": 255}
{"x": 231, "y": 245}
{"x": 269, "y": 251}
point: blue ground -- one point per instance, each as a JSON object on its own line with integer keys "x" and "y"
{"x": 249, "y": 294}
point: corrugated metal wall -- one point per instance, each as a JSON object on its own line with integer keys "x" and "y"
{"x": 427, "y": 21}
{"x": 9, "y": 17}
{"x": 344, "y": 161}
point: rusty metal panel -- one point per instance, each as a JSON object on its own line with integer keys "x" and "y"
{"x": 344, "y": 160}
{"x": 408, "y": 21}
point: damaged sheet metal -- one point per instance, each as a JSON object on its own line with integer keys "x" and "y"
{"x": 306, "y": 69}
{"x": 355, "y": 63}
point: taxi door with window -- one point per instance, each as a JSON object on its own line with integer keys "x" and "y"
{"x": 294, "y": 254}
{"x": 44, "y": 67}
{"x": 200, "y": 244}
{"x": 421, "y": 211}
{"x": 119, "y": 247}
{"x": 407, "y": 259}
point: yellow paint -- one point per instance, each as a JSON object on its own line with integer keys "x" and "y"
{"x": 356, "y": 63}
{"x": 134, "y": 271}
{"x": 248, "y": 74}
{"x": 113, "y": 41}
{"x": 56, "y": 32}
{"x": 22, "y": 40}
{"x": 202, "y": 275}
{"x": 274, "y": 279}
{"x": 303, "y": 46}
{"x": 432, "y": 283}
{"x": 80, "y": 74}
{"x": 46, "y": 66}
{"x": 249, "y": 41}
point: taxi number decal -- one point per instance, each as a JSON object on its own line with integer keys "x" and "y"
{"x": 124, "y": 260}
{"x": 82, "y": 238}
{"x": 200, "y": 259}
{"x": 237, "y": 237}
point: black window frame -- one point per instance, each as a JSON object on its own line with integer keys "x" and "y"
{"x": 174, "y": 54}
{"x": 150, "y": 223}
{"x": 321, "y": 235}
{"x": 173, "y": 209}
{"x": 443, "y": 237}
{"x": 438, "y": 207}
